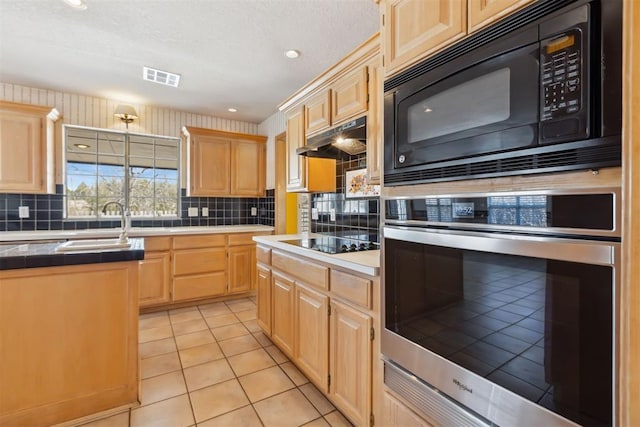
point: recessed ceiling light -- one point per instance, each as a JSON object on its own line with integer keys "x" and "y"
{"x": 161, "y": 77}
{"x": 232, "y": 110}
{"x": 81, "y": 146}
{"x": 292, "y": 53}
{"x": 76, "y": 4}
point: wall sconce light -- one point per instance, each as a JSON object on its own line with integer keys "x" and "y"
{"x": 126, "y": 113}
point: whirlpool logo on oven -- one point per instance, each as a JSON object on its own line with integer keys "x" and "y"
{"x": 463, "y": 210}
{"x": 462, "y": 386}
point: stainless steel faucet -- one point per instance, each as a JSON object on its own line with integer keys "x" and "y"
{"x": 124, "y": 213}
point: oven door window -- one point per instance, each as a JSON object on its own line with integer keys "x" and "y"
{"x": 489, "y": 107}
{"x": 540, "y": 328}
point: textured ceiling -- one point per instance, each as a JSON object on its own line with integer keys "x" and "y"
{"x": 230, "y": 53}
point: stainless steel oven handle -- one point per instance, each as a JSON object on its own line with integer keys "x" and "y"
{"x": 582, "y": 251}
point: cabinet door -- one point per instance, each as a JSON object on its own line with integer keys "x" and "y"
{"x": 197, "y": 261}
{"x": 350, "y": 362}
{"x": 155, "y": 278}
{"x": 23, "y": 153}
{"x": 413, "y": 29}
{"x": 242, "y": 261}
{"x": 209, "y": 166}
{"x": 349, "y": 96}
{"x": 312, "y": 335}
{"x": 247, "y": 168}
{"x": 374, "y": 122}
{"x": 263, "y": 293}
{"x": 282, "y": 298}
{"x": 199, "y": 286}
{"x": 317, "y": 112}
{"x": 296, "y": 165}
{"x": 396, "y": 414}
{"x": 485, "y": 12}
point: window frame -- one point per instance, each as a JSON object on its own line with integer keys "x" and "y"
{"x": 126, "y": 196}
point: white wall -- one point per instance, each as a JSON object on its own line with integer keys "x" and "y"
{"x": 273, "y": 126}
{"x": 91, "y": 111}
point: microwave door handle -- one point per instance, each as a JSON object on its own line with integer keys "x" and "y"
{"x": 589, "y": 252}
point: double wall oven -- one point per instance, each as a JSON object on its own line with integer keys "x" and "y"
{"x": 499, "y": 308}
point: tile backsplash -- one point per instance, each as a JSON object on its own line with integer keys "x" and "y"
{"x": 352, "y": 214}
{"x": 46, "y": 212}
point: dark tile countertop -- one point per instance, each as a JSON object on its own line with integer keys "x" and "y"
{"x": 43, "y": 254}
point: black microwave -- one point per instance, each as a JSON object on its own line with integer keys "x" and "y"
{"x": 540, "y": 91}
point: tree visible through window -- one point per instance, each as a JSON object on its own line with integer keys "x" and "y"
{"x": 139, "y": 171}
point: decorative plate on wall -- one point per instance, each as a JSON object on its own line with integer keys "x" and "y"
{"x": 356, "y": 184}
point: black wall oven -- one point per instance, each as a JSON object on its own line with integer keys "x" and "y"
{"x": 538, "y": 92}
{"x": 501, "y": 309}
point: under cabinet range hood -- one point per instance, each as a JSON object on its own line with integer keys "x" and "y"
{"x": 338, "y": 143}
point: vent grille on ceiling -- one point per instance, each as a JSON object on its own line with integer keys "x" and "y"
{"x": 161, "y": 77}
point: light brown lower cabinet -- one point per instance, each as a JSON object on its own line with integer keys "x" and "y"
{"x": 326, "y": 328}
{"x": 282, "y": 302}
{"x": 312, "y": 334}
{"x": 199, "y": 273}
{"x": 263, "y": 293}
{"x": 396, "y": 414}
{"x": 242, "y": 260}
{"x": 200, "y": 266}
{"x": 68, "y": 342}
{"x": 350, "y": 361}
{"x": 155, "y": 272}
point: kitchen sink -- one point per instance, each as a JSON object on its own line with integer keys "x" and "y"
{"x": 90, "y": 245}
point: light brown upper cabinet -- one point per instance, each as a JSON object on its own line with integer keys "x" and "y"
{"x": 344, "y": 100}
{"x": 317, "y": 112}
{"x": 485, "y": 12}
{"x": 349, "y": 96}
{"x": 340, "y": 94}
{"x": 224, "y": 163}
{"x": 413, "y": 29}
{"x": 305, "y": 173}
{"x": 27, "y": 148}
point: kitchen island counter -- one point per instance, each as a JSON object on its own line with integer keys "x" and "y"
{"x": 366, "y": 262}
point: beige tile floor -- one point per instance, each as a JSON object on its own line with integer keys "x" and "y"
{"x": 211, "y": 366}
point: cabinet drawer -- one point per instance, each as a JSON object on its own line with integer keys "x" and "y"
{"x": 307, "y": 271}
{"x": 263, "y": 255}
{"x": 241, "y": 239}
{"x": 157, "y": 243}
{"x": 200, "y": 286}
{"x": 200, "y": 241}
{"x": 352, "y": 288}
{"x": 194, "y": 261}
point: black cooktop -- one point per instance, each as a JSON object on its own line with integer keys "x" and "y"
{"x": 338, "y": 244}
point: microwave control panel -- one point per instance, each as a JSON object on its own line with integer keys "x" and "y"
{"x": 562, "y": 80}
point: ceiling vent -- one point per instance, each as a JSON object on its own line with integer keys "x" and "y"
{"x": 159, "y": 76}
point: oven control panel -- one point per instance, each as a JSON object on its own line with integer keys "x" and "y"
{"x": 562, "y": 79}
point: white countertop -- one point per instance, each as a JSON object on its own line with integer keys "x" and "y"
{"x": 17, "y": 236}
{"x": 366, "y": 262}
